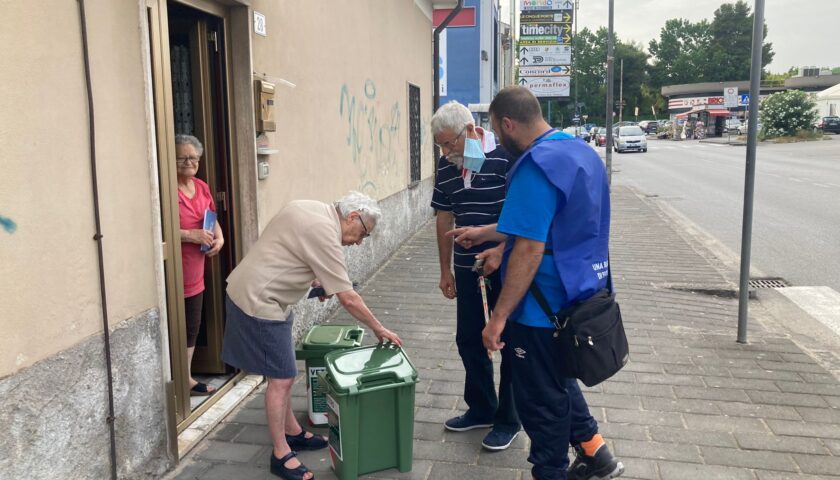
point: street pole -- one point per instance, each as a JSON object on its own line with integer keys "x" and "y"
{"x": 621, "y": 93}
{"x": 513, "y": 31}
{"x": 749, "y": 180}
{"x": 574, "y": 63}
{"x": 610, "y": 61}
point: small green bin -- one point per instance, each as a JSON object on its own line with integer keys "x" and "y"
{"x": 370, "y": 403}
{"x": 319, "y": 341}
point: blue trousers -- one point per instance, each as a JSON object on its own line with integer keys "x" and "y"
{"x": 479, "y": 387}
{"x": 552, "y": 408}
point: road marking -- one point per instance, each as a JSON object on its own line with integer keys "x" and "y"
{"x": 822, "y": 185}
{"x": 772, "y": 175}
{"x": 714, "y": 144}
{"x": 794, "y": 179}
{"x": 822, "y": 303}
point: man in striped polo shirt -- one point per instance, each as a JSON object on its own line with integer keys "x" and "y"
{"x": 462, "y": 198}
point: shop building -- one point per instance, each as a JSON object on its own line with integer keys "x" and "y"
{"x": 290, "y": 99}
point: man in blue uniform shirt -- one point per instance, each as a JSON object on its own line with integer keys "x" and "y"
{"x": 470, "y": 191}
{"x": 555, "y": 223}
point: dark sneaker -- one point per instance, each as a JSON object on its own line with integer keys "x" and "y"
{"x": 464, "y": 423}
{"x": 601, "y": 466}
{"x": 496, "y": 440}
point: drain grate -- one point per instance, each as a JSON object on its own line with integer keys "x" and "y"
{"x": 773, "y": 282}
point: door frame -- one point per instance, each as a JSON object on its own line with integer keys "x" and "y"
{"x": 235, "y": 17}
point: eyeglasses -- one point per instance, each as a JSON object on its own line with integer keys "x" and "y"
{"x": 450, "y": 144}
{"x": 183, "y": 160}
{"x": 367, "y": 232}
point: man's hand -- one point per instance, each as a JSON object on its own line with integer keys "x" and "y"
{"x": 385, "y": 335}
{"x": 492, "y": 259}
{"x": 321, "y": 298}
{"x": 447, "y": 285}
{"x": 467, "y": 237}
{"x": 491, "y": 336}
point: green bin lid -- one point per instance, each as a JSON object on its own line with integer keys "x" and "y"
{"x": 325, "y": 338}
{"x": 366, "y": 368}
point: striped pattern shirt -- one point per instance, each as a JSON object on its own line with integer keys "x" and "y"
{"x": 478, "y": 205}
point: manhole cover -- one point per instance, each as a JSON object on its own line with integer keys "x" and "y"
{"x": 768, "y": 283}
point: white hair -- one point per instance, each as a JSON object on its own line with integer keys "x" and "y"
{"x": 184, "y": 139}
{"x": 453, "y": 116}
{"x": 361, "y": 203}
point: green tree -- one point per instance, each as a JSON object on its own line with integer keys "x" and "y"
{"x": 786, "y": 113}
{"x": 635, "y": 60}
{"x": 779, "y": 78}
{"x": 730, "y": 46}
{"x": 680, "y": 54}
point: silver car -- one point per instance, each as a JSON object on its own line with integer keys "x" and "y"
{"x": 630, "y": 139}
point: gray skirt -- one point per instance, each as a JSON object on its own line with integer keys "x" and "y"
{"x": 264, "y": 347}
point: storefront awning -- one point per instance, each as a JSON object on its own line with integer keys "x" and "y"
{"x": 713, "y": 112}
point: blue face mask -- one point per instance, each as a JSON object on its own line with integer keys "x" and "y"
{"x": 473, "y": 154}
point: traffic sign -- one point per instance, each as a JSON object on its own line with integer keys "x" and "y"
{"x": 546, "y": 40}
{"x": 559, "y": 16}
{"x": 730, "y": 97}
{"x": 545, "y": 71}
{"x": 547, "y": 86}
{"x": 528, "y": 5}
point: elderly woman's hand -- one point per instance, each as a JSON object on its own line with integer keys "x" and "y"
{"x": 200, "y": 236}
{"x": 215, "y": 246}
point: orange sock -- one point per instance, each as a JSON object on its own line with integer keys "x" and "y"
{"x": 592, "y": 445}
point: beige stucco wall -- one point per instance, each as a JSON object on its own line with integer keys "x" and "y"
{"x": 48, "y": 267}
{"x": 345, "y": 124}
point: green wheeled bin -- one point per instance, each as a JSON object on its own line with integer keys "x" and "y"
{"x": 370, "y": 403}
{"x": 319, "y": 341}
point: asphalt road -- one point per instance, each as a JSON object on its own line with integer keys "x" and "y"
{"x": 796, "y": 228}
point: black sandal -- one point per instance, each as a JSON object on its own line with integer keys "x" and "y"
{"x": 300, "y": 442}
{"x": 279, "y": 468}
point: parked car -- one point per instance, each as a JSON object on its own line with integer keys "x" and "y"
{"x": 733, "y": 125}
{"x": 630, "y": 138}
{"x": 649, "y": 126}
{"x": 578, "y": 132}
{"x": 830, "y": 124}
{"x": 600, "y": 137}
{"x": 742, "y": 129}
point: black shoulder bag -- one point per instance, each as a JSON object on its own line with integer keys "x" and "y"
{"x": 590, "y": 335}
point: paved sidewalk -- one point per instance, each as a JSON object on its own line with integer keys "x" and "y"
{"x": 691, "y": 404}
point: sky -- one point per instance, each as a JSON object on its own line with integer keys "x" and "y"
{"x": 803, "y": 32}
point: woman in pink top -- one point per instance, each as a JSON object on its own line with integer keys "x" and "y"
{"x": 194, "y": 199}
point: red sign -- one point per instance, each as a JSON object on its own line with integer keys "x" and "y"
{"x": 465, "y": 18}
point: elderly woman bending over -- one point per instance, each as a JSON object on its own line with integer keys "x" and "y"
{"x": 302, "y": 243}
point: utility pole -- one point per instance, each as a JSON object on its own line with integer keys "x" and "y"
{"x": 610, "y": 61}
{"x": 749, "y": 177}
{"x": 621, "y": 92}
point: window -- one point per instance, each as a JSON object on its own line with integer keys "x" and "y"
{"x": 414, "y": 132}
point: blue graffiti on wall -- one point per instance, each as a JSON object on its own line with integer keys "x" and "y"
{"x": 372, "y": 134}
{"x": 8, "y": 224}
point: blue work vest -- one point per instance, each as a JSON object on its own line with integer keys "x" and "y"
{"x": 580, "y": 230}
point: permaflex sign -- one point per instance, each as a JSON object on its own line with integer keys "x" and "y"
{"x": 547, "y": 86}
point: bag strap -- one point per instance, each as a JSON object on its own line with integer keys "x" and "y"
{"x": 540, "y": 298}
{"x": 555, "y": 318}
